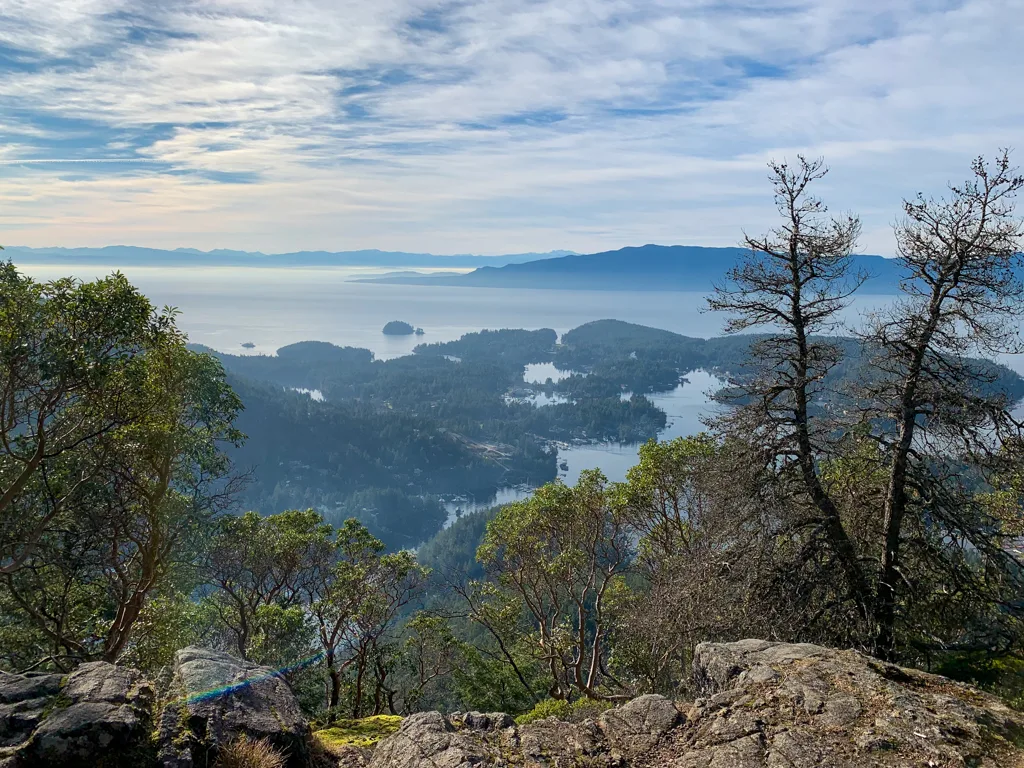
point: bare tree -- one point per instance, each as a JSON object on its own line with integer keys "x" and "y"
{"x": 943, "y": 419}
{"x": 793, "y": 283}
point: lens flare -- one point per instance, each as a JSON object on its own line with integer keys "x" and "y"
{"x": 241, "y": 685}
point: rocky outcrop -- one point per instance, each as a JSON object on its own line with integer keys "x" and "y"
{"x": 428, "y": 740}
{"x": 215, "y": 698}
{"x": 792, "y": 705}
{"x": 762, "y": 704}
{"x": 99, "y": 715}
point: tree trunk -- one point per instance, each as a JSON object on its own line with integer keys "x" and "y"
{"x": 892, "y": 524}
{"x": 335, "y": 677}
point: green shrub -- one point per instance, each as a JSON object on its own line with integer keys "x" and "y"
{"x": 1001, "y": 676}
{"x": 548, "y": 708}
{"x": 576, "y": 712}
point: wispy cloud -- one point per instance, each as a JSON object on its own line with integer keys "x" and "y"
{"x": 483, "y": 125}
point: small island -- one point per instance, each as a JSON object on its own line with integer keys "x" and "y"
{"x": 398, "y": 328}
{"x": 248, "y": 345}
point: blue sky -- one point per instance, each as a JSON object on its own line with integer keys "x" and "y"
{"x": 487, "y": 126}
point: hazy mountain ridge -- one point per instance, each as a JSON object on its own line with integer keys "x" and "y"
{"x": 130, "y": 255}
{"x": 642, "y": 268}
{"x": 634, "y": 268}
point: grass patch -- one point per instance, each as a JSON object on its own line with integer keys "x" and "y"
{"x": 362, "y": 733}
{"x": 244, "y": 752}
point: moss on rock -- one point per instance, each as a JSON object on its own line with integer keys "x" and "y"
{"x": 363, "y": 733}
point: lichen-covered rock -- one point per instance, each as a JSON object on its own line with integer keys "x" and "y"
{"x": 99, "y": 715}
{"x": 794, "y": 705}
{"x": 428, "y": 739}
{"x": 482, "y": 721}
{"x": 24, "y": 700}
{"x": 215, "y": 698}
{"x": 636, "y": 727}
{"x": 555, "y": 743}
{"x": 763, "y": 705}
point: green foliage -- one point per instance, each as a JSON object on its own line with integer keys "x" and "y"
{"x": 344, "y": 457}
{"x": 559, "y": 709}
{"x": 999, "y": 675}
{"x": 261, "y": 567}
{"x": 509, "y": 347}
{"x": 452, "y": 551}
{"x": 168, "y": 623}
{"x": 562, "y": 556}
{"x": 423, "y": 425}
{"x": 112, "y": 545}
{"x": 429, "y": 656}
{"x": 112, "y": 460}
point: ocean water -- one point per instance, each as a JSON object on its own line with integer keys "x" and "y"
{"x": 224, "y": 307}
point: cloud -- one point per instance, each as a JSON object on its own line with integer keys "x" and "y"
{"x": 483, "y": 125}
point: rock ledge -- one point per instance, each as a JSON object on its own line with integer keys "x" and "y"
{"x": 762, "y": 704}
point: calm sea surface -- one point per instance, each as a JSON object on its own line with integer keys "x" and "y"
{"x": 224, "y": 308}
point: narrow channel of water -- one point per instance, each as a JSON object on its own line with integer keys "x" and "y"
{"x": 684, "y": 406}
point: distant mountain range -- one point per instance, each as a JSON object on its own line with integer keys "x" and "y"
{"x": 130, "y": 255}
{"x": 643, "y": 268}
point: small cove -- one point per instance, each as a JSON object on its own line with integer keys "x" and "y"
{"x": 684, "y": 406}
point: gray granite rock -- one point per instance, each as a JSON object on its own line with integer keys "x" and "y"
{"x": 428, "y": 739}
{"x": 99, "y": 715}
{"x": 215, "y": 698}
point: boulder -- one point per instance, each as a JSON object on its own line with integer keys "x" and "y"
{"x": 99, "y": 715}
{"x": 429, "y": 739}
{"x": 215, "y": 698}
{"x": 553, "y": 742}
{"x": 636, "y": 727}
{"x": 24, "y": 700}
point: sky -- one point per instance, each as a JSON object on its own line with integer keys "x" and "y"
{"x": 485, "y": 126}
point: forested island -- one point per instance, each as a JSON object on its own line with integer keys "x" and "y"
{"x": 859, "y": 502}
{"x": 400, "y": 328}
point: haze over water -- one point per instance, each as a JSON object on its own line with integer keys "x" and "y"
{"x": 225, "y": 307}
